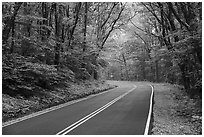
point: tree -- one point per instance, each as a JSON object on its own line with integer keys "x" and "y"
{"x": 9, "y": 24}
{"x": 177, "y": 26}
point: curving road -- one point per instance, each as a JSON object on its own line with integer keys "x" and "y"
{"x": 120, "y": 111}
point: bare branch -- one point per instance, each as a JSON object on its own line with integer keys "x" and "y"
{"x": 114, "y": 4}
{"x": 170, "y": 5}
{"x": 113, "y": 24}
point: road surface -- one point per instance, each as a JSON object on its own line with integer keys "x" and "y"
{"x": 120, "y": 111}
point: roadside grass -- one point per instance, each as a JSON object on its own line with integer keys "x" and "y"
{"x": 174, "y": 112}
{"x": 19, "y": 106}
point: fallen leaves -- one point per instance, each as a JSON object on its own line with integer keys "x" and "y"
{"x": 175, "y": 113}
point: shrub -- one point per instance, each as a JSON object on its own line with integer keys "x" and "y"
{"x": 22, "y": 76}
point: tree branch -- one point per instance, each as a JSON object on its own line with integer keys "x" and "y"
{"x": 114, "y": 4}
{"x": 112, "y": 27}
{"x": 170, "y": 5}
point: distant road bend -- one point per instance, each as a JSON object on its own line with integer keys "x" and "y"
{"x": 125, "y": 110}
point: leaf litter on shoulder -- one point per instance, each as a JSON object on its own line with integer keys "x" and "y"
{"x": 174, "y": 112}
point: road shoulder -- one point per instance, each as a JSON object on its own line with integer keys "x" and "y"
{"x": 19, "y": 108}
{"x": 174, "y": 112}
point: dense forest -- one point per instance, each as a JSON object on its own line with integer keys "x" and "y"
{"x": 45, "y": 44}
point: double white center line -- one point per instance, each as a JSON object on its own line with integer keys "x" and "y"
{"x": 81, "y": 121}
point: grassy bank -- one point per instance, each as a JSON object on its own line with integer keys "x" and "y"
{"x": 175, "y": 113}
{"x": 18, "y": 106}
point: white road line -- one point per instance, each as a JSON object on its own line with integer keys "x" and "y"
{"x": 81, "y": 121}
{"x": 35, "y": 114}
{"x": 85, "y": 117}
{"x": 150, "y": 112}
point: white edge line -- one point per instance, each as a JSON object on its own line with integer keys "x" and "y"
{"x": 78, "y": 123}
{"x": 149, "y": 115}
{"x": 84, "y": 119}
{"x": 47, "y": 110}
{"x": 89, "y": 117}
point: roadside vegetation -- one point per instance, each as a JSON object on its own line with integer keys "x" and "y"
{"x": 15, "y": 106}
{"x": 174, "y": 112}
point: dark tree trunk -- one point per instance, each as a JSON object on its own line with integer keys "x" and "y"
{"x": 10, "y": 24}
{"x": 85, "y": 25}
{"x": 84, "y": 31}
{"x": 125, "y": 64}
{"x": 157, "y": 70}
{"x": 13, "y": 34}
{"x": 143, "y": 70}
{"x": 57, "y": 33}
{"x": 76, "y": 17}
{"x": 184, "y": 78}
{"x": 121, "y": 69}
{"x": 45, "y": 15}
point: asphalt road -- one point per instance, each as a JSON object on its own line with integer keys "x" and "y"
{"x": 120, "y": 111}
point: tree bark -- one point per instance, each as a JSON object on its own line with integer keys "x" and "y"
{"x": 10, "y": 24}
{"x": 157, "y": 70}
{"x": 57, "y": 35}
{"x": 143, "y": 70}
{"x": 85, "y": 25}
{"x": 45, "y": 15}
{"x": 13, "y": 35}
{"x": 126, "y": 69}
{"x": 76, "y": 17}
{"x": 170, "y": 5}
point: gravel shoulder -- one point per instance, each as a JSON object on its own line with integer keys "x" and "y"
{"x": 174, "y": 113}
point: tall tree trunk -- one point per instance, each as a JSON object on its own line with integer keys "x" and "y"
{"x": 126, "y": 69}
{"x": 85, "y": 25}
{"x": 45, "y": 15}
{"x": 13, "y": 34}
{"x": 143, "y": 70}
{"x": 98, "y": 26}
{"x": 84, "y": 31}
{"x": 76, "y": 17}
{"x": 57, "y": 34}
{"x": 121, "y": 74}
{"x": 184, "y": 78}
{"x": 45, "y": 32}
{"x": 10, "y": 24}
{"x": 157, "y": 70}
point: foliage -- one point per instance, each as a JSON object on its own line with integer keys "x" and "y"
{"x": 46, "y": 44}
{"x": 52, "y": 42}
{"x": 21, "y": 76}
{"x": 18, "y": 106}
{"x": 163, "y": 44}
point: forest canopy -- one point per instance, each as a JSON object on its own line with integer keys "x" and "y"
{"x": 51, "y": 42}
